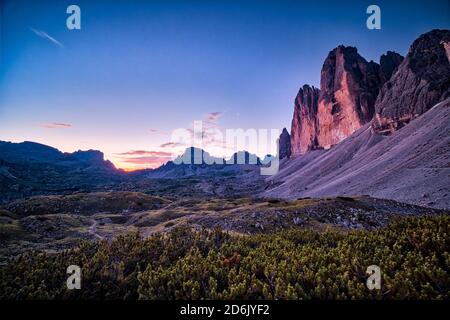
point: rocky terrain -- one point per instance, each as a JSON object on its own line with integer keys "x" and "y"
{"x": 411, "y": 165}
{"x": 52, "y": 223}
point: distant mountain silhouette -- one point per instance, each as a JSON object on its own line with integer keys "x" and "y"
{"x": 196, "y": 156}
{"x": 32, "y": 152}
{"x": 30, "y": 168}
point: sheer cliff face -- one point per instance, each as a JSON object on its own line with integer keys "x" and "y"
{"x": 304, "y": 122}
{"x": 354, "y": 91}
{"x": 420, "y": 82}
{"x": 348, "y": 90}
{"x": 349, "y": 87}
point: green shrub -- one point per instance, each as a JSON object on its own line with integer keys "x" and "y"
{"x": 413, "y": 255}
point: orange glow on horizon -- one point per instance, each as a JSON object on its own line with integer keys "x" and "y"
{"x": 127, "y": 168}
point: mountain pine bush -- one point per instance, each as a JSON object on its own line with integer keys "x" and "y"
{"x": 413, "y": 255}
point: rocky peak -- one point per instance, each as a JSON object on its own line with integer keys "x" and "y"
{"x": 349, "y": 86}
{"x": 94, "y": 158}
{"x": 284, "y": 144}
{"x": 244, "y": 157}
{"x": 348, "y": 89}
{"x": 389, "y": 62}
{"x": 420, "y": 82}
{"x": 196, "y": 156}
{"x": 88, "y": 156}
{"x": 304, "y": 122}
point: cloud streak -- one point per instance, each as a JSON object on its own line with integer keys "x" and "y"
{"x": 214, "y": 116}
{"x": 145, "y": 153}
{"x": 171, "y": 145}
{"x": 143, "y": 161}
{"x": 57, "y": 125}
{"x": 45, "y": 35}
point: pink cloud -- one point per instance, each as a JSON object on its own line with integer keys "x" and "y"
{"x": 157, "y": 131}
{"x": 214, "y": 116}
{"x": 145, "y": 152}
{"x": 56, "y": 125}
{"x": 147, "y": 160}
{"x": 171, "y": 145}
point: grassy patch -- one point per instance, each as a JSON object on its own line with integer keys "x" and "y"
{"x": 88, "y": 203}
{"x": 10, "y": 229}
{"x": 156, "y": 218}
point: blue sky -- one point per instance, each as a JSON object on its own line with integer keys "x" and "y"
{"x": 139, "y": 69}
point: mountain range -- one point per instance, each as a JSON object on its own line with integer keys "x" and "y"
{"x": 30, "y": 169}
{"x": 379, "y": 129}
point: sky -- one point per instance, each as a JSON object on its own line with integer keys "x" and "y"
{"x": 138, "y": 70}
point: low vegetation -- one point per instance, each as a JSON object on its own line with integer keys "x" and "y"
{"x": 413, "y": 254}
{"x": 87, "y": 203}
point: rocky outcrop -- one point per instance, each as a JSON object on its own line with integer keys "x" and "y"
{"x": 389, "y": 63}
{"x": 420, "y": 82}
{"x": 196, "y": 156}
{"x": 348, "y": 89}
{"x": 284, "y": 144}
{"x": 304, "y": 123}
{"x": 447, "y": 49}
{"x": 89, "y": 157}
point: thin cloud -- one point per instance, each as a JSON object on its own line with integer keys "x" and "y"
{"x": 45, "y": 35}
{"x": 154, "y": 161}
{"x": 57, "y": 125}
{"x": 214, "y": 116}
{"x": 152, "y": 130}
{"x": 145, "y": 153}
{"x": 171, "y": 145}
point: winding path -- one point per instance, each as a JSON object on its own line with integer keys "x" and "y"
{"x": 92, "y": 230}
